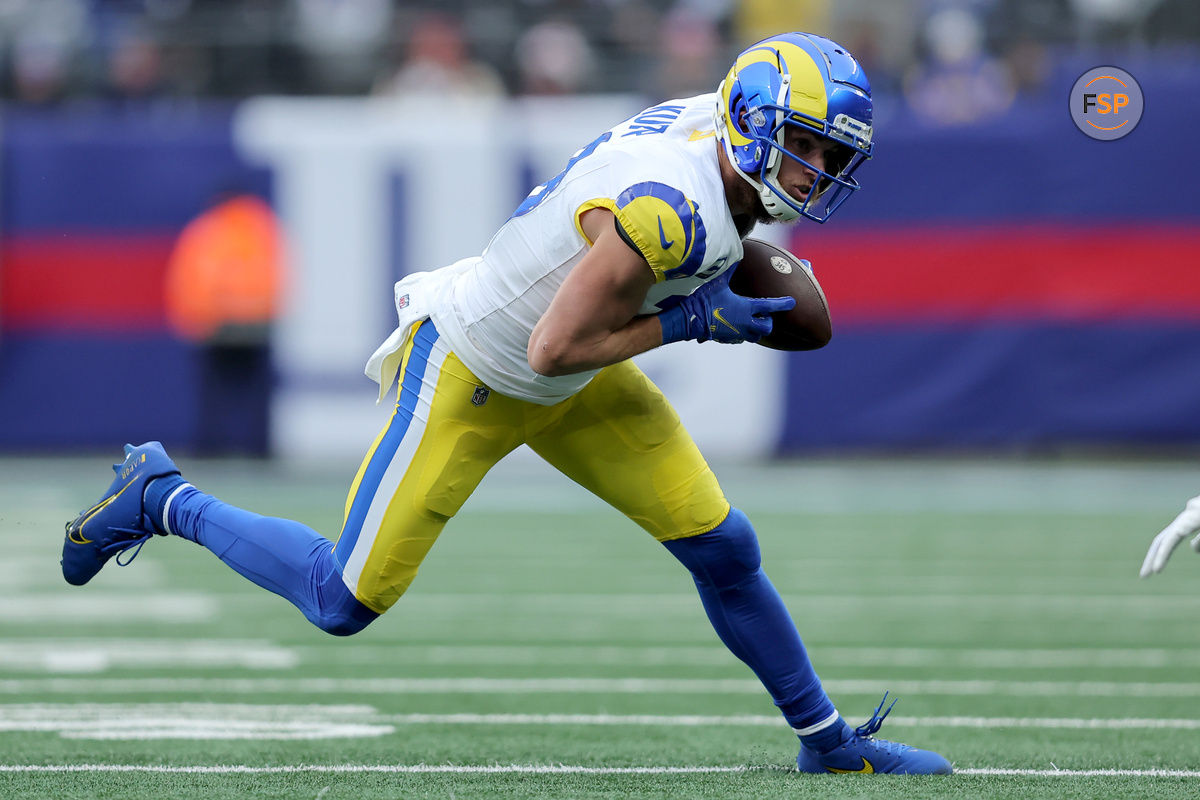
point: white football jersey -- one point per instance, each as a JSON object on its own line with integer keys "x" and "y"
{"x": 658, "y": 173}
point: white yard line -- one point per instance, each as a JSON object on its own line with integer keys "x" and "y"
{"x": 325, "y": 686}
{"x": 38, "y": 571}
{"x": 715, "y": 655}
{"x": 131, "y": 716}
{"x": 1082, "y": 773}
{"x": 542, "y": 769}
{"x": 100, "y": 609}
{"x": 612, "y": 604}
{"x": 146, "y": 721}
{"x": 765, "y": 720}
{"x": 198, "y": 721}
{"x": 1000, "y": 658}
{"x": 99, "y": 654}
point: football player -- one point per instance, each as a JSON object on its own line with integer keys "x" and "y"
{"x": 1185, "y": 525}
{"x": 630, "y": 247}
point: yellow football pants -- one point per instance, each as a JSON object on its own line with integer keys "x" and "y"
{"x": 618, "y": 437}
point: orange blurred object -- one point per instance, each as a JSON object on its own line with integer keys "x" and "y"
{"x": 226, "y": 271}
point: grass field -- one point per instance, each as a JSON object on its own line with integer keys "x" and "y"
{"x": 550, "y": 649}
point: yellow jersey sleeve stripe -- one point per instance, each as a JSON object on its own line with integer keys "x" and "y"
{"x": 595, "y": 202}
{"x": 628, "y": 229}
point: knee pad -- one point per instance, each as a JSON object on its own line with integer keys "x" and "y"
{"x": 725, "y": 557}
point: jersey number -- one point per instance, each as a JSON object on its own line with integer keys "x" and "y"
{"x": 540, "y": 193}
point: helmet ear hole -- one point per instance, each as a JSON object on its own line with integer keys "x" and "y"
{"x": 741, "y": 123}
{"x": 739, "y": 116}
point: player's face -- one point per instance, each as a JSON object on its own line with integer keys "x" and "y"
{"x": 796, "y": 178}
{"x": 821, "y": 153}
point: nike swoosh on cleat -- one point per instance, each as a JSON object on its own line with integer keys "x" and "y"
{"x": 717, "y": 314}
{"x": 93, "y": 511}
{"x": 867, "y": 769}
{"x": 662, "y": 236}
{"x": 75, "y": 537}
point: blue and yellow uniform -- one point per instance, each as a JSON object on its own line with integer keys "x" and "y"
{"x": 467, "y": 393}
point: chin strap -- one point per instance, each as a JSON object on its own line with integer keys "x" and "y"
{"x": 769, "y": 196}
{"x": 775, "y": 206}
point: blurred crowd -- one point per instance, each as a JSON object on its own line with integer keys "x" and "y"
{"x": 954, "y": 59}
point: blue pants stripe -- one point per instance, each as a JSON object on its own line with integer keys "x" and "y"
{"x": 410, "y": 390}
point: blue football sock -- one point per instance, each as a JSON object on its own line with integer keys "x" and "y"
{"x": 285, "y": 557}
{"x": 155, "y": 496}
{"x": 827, "y": 738}
{"x": 749, "y": 616}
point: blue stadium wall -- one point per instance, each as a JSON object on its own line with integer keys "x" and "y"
{"x": 1011, "y": 284}
{"x": 90, "y": 203}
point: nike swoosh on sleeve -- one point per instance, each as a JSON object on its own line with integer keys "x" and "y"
{"x": 662, "y": 236}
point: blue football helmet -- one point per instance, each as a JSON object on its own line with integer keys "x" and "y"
{"x": 802, "y": 80}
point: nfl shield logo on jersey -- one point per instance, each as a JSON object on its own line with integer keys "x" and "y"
{"x": 402, "y": 302}
{"x": 481, "y": 395}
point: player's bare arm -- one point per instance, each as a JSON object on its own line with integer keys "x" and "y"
{"x": 592, "y": 321}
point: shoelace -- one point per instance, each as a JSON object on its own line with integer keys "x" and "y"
{"x": 872, "y": 726}
{"x": 122, "y": 547}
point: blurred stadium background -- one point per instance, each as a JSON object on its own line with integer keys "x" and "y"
{"x": 1002, "y": 284}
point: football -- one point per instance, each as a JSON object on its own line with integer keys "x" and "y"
{"x": 770, "y": 271}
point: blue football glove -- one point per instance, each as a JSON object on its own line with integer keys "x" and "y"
{"x": 715, "y": 312}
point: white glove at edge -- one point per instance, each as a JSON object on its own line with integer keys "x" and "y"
{"x": 1183, "y": 526}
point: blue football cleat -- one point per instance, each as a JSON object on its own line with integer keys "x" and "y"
{"x": 860, "y": 752}
{"x": 117, "y": 523}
